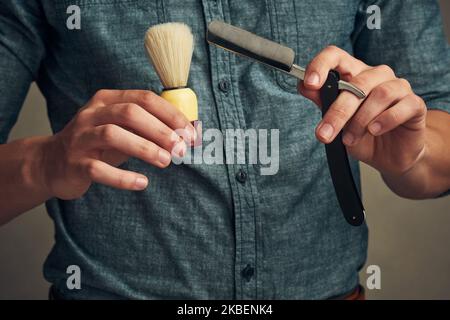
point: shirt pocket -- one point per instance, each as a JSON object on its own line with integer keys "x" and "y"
{"x": 308, "y": 26}
{"x": 284, "y": 28}
{"x": 108, "y": 50}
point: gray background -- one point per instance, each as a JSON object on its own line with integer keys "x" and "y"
{"x": 408, "y": 239}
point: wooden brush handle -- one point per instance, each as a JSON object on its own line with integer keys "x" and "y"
{"x": 183, "y": 99}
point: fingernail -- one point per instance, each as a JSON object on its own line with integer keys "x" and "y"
{"x": 349, "y": 139}
{"x": 179, "y": 149}
{"x": 140, "y": 183}
{"x": 375, "y": 128}
{"x": 195, "y": 134}
{"x": 188, "y": 133}
{"x": 198, "y": 133}
{"x": 164, "y": 157}
{"x": 192, "y": 134}
{"x": 326, "y": 131}
{"x": 313, "y": 78}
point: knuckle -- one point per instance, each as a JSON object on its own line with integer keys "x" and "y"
{"x": 101, "y": 94}
{"x": 130, "y": 109}
{"x": 404, "y": 83}
{"x": 72, "y": 141}
{"x": 339, "y": 114}
{"x": 149, "y": 97}
{"x": 394, "y": 116}
{"x": 123, "y": 181}
{"x": 91, "y": 169}
{"x": 165, "y": 134}
{"x": 145, "y": 149}
{"x": 383, "y": 92}
{"x": 416, "y": 99}
{"x": 323, "y": 57}
{"x": 315, "y": 63}
{"x": 83, "y": 116}
{"x": 128, "y": 112}
{"x": 175, "y": 136}
{"x": 384, "y": 68}
{"x": 418, "y": 102}
{"x": 149, "y": 152}
{"x": 332, "y": 49}
{"x": 108, "y": 133}
{"x": 178, "y": 121}
{"x": 360, "y": 82}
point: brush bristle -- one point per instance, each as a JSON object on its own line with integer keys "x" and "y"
{"x": 170, "y": 47}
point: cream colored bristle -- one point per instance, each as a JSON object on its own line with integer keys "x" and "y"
{"x": 170, "y": 47}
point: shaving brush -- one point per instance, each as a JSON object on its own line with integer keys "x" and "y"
{"x": 170, "y": 47}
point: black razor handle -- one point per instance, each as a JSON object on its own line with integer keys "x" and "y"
{"x": 341, "y": 174}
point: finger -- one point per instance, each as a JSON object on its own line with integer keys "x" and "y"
{"x": 311, "y": 94}
{"x": 380, "y": 98}
{"x": 409, "y": 112}
{"x": 101, "y": 172}
{"x": 347, "y": 103}
{"x": 332, "y": 58}
{"x": 111, "y": 136}
{"x": 151, "y": 102}
{"x": 134, "y": 118}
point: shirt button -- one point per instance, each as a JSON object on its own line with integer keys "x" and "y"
{"x": 224, "y": 86}
{"x": 248, "y": 272}
{"x": 241, "y": 176}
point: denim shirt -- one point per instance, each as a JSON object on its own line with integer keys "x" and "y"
{"x": 211, "y": 231}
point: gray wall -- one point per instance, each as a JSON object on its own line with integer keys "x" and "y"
{"x": 408, "y": 239}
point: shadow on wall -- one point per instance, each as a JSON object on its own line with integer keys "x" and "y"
{"x": 407, "y": 239}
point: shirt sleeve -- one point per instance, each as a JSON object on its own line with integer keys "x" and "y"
{"x": 22, "y": 49}
{"x": 412, "y": 42}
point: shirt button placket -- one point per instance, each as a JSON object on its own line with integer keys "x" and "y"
{"x": 231, "y": 116}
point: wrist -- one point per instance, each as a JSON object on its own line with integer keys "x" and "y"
{"x": 412, "y": 182}
{"x": 35, "y": 165}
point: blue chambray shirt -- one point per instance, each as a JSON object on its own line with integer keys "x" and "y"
{"x": 209, "y": 231}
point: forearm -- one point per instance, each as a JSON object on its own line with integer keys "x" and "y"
{"x": 430, "y": 177}
{"x": 21, "y": 176}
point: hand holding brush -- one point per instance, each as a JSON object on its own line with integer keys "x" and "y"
{"x": 117, "y": 124}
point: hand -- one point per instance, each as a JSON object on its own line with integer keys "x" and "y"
{"x": 387, "y": 129}
{"x": 113, "y": 126}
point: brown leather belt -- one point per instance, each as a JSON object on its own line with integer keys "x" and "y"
{"x": 355, "y": 294}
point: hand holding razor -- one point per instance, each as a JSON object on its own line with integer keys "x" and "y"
{"x": 282, "y": 58}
